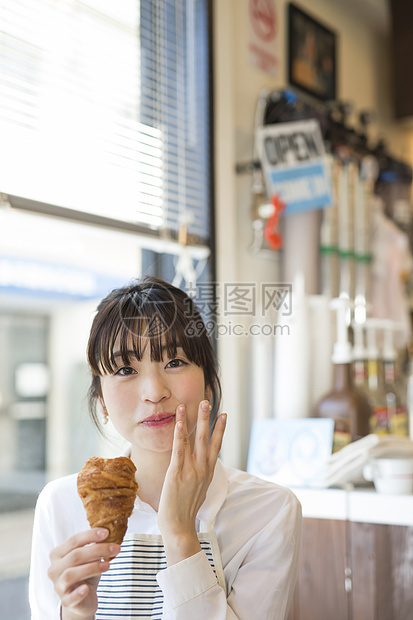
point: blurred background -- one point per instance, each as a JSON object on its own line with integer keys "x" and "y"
{"x": 128, "y": 147}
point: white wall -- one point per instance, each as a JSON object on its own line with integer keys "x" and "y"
{"x": 363, "y": 78}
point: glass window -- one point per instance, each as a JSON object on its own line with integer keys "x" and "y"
{"x": 104, "y": 109}
{"x": 104, "y": 118}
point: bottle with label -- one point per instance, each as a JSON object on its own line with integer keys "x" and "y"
{"x": 410, "y": 391}
{"x": 359, "y": 358}
{"x": 396, "y": 406}
{"x": 346, "y": 403}
{"x": 379, "y": 420}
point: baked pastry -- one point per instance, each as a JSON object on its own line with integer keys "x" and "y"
{"x": 108, "y": 489}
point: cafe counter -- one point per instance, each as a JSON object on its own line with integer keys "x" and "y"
{"x": 356, "y": 555}
{"x": 358, "y": 504}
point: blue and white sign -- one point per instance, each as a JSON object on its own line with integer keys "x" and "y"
{"x": 290, "y": 452}
{"x": 294, "y": 165}
{"x": 27, "y": 276}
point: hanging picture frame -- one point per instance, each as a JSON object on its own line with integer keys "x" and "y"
{"x": 311, "y": 55}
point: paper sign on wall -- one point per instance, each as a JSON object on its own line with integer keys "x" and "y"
{"x": 263, "y": 35}
{"x": 290, "y": 452}
{"x": 294, "y": 165}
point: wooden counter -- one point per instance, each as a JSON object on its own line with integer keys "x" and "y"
{"x": 356, "y": 560}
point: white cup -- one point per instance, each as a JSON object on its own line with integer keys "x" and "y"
{"x": 391, "y": 475}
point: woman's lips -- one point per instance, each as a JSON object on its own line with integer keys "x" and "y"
{"x": 158, "y": 420}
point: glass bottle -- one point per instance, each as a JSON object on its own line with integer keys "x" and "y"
{"x": 410, "y": 391}
{"x": 396, "y": 407}
{"x": 379, "y": 420}
{"x": 346, "y": 404}
{"x": 359, "y": 358}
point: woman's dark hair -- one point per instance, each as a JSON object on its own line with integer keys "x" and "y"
{"x": 149, "y": 310}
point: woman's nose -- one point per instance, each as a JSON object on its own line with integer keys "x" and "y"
{"x": 154, "y": 387}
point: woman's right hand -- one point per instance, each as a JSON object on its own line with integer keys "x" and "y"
{"x": 75, "y": 569}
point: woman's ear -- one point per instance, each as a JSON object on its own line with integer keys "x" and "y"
{"x": 104, "y": 411}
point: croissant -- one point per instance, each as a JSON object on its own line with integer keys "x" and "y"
{"x": 108, "y": 489}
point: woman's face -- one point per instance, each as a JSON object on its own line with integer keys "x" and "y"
{"x": 142, "y": 398}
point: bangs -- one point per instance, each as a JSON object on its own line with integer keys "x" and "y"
{"x": 125, "y": 328}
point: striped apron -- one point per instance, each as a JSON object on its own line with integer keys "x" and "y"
{"x": 129, "y": 589}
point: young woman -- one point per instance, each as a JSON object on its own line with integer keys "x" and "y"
{"x": 204, "y": 542}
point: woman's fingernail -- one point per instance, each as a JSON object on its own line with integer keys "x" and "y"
{"x": 223, "y": 418}
{"x": 102, "y": 533}
{"x": 114, "y": 548}
{"x": 179, "y": 424}
{"x": 205, "y": 405}
{"x": 181, "y": 408}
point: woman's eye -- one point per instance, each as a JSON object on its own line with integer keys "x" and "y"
{"x": 176, "y": 363}
{"x": 125, "y": 371}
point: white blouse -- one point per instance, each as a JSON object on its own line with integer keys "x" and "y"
{"x": 258, "y": 527}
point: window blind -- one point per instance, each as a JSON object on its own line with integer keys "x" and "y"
{"x": 174, "y": 73}
{"x": 104, "y": 108}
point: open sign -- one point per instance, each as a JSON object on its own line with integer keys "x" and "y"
{"x": 294, "y": 165}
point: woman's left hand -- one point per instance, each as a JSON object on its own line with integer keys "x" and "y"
{"x": 186, "y": 482}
